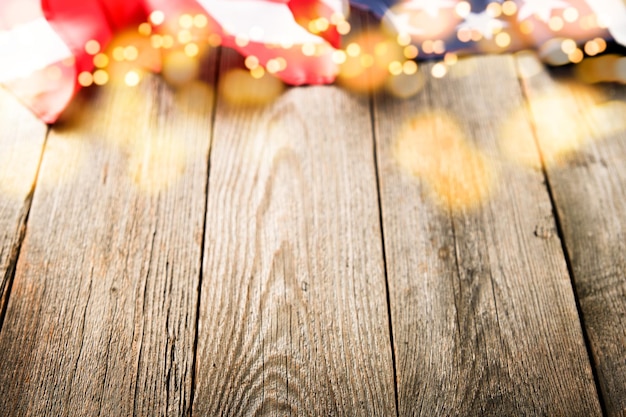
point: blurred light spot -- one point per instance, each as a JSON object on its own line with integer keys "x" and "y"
{"x": 527, "y": 27}
{"x": 450, "y": 58}
{"x": 439, "y": 70}
{"x": 184, "y": 36}
{"x": 576, "y": 56}
{"x": 353, "y": 49}
{"x": 494, "y": 9}
{"x": 509, "y": 8}
{"x": 241, "y": 40}
{"x": 192, "y": 50}
{"x": 92, "y": 47}
{"x": 85, "y": 79}
{"x": 132, "y": 78}
{"x": 503, "y": 40}
{"x": 157, "y": 17}
{"x": 395, "y": 68}
{"x": 410, "y": 52}
{"x": 179, "y": 69}
{"x": 257, "y": 73}
{"x": 101, "y": 60}
{"x": 343, "y": 28}
{"x": 131, "y": 53}
{"x": 409, "y": 67}
{"x": 100, "y": 77}
{"x": 308, "y": 49}
{"x": 168, "y": 41}
{"x": 200, "y": 21}
{"x": 556, "y": 23}
{"x": 339, "y": 57}
{"x": 403, "y": 39}
{"x": 185, "y": 21}
{"x": 463, "y": 8}
{"x": 156, "y": 41}
{"x": 145, "y": 29}
{"x": 568, "y": 46}
{"x": 251, "y": 62}
{"x": 239, "y": 87}
{"x": 570, "y": 14}
{"x": 432, "y": 147}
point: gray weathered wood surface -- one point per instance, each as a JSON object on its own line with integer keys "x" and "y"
{"x": 483, "y": 312}
{"x": 101, "y": 318}
{"x": 307, "y": 298}
{"x": 293, "y": 317}
{"x": 586, "y": 165}
{"x": 21, "y": 143}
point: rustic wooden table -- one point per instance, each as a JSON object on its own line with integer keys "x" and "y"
{"x": 460, "y": 252}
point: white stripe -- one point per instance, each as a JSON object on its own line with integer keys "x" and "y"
{"x": 28, "y": 48}
{"x": 262, "y": 21}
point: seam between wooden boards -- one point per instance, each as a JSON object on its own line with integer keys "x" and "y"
{"x": 382, "y": 237}
{"x": 17, "y": 247}
{"x": 559, "y": 229}
{"x": 216, "y": 80}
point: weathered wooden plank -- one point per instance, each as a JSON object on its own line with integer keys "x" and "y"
{"x": 21, "y": 144}
{"x": 293, "y": 317}
{"x": 581, "y": 132}
{"x": 102, "y": 315}
{"x": 484, "y": 317}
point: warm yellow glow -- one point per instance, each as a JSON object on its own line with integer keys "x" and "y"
{"x": 433, "y": 148}
{"x": 503, "y": 40}
{"x": 410, "y": 52}
{"x": 157, "y": 17}
{"x": 132, "y": 79}
{"x": 339, "y": 57}
{"x": 184, "y": 36}
{"x": 145, "y": 29}
{"x": 179, "y": 69}
{"x": 570, "y": 14}
{"x": 200, "y": 21}
{"x": 568, "y": 46}
{"x": 192, "y": 50}
{"x": 463, "y": 8}
{"x": 101, "y": 60}
{"x": 92, "y": 47}
{"x": 185, "y": 21}
{"x": 100, "y": 77}
{"x": 439, "y": 70}
{"x": 556, "y": 23}
{"x": 353, "y": 49}
{"x": 494, "y": 9}
{"x": 509, "y": 8}
{"x": 409, "y": 67}
{"x": 240, "y": 87}
{"x": 85, "y": 79}
{"x": 131, "y": 53}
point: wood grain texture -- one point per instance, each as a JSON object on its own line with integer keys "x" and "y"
{"x": 102, "y": 314}
{"x": 484, "y": 317}
{"x": 293, "y": 317}
{"x": 22, "y": 138}
{"x": 583, "y": 142}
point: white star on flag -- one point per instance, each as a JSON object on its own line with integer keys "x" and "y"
{"x": 483, "y": 23}
{"x": 431, "y": 7}
{"x": 541, "y": 8}
{"x": 400, "y": 21}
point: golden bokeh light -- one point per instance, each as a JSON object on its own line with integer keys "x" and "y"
{"x": 566, "y": 121}
{"x": 179, "y": 68}
{"x": 433, "y": 148}
{"x": 241, "y": 87}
